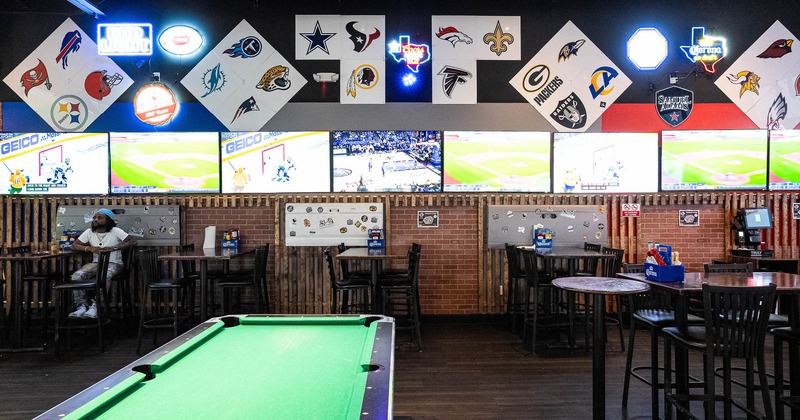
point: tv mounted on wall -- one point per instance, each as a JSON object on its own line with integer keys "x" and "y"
{"x": 784, "y": 160}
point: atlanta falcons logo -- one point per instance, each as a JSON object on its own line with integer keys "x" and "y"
{"x": 246, "y": 106}
{"x": 453, "y": 36}
{"x": 453, "y": 76}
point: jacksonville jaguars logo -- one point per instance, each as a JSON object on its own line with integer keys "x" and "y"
{"x": 777, "y": 49}
{"x": 498, "y": 41}
{"x": 748, "y": 81}
{"x": 536, "y": 78}
{"x": 453, "y": 76}
{"x": 213, "y": 80}
{"x": 70, "y": 44}
{"x": 247, "y": 47}
{"x": 453, "y": 36}
{"x": 360, "y": 39}
{"x": 601, "y": 81}
{"x": 569, "y": 49}
{"x": 276, "y": 78}
{"x": 247, "y": 106}
{"x": 364, "y": 77}
{"x": 570, "y": 112}
{"x": 777, "y": 112}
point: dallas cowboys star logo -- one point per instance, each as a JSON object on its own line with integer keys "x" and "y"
{"x": 317, "y": 39}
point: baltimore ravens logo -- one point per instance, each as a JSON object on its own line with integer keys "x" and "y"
{"x": 747, "y": 79}
{"x": 360, "y": 39}
{"x": 777, "y": 112}
{"x": 601, "y": 81}
{"x": 569, "y": 49}
{"x": 70, "y": 44}
{"x": 536, "y": 78}
{"x": 453, "y": 76}
{"x": 276, "y": 78}
{"x": 247, "y": 47}
{"x": 453, "y": 36}
{"x": 364, "y": 77}
{"x": 778, "y": 49}
{"x": 248, "y": 105}
{"x": 498, "y": 41}
{"x": 570, "y": 112}
{"x": 213, "y": 80}
{"x": 35, "y": 77}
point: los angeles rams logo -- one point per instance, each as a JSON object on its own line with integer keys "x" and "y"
{"x": 601, "y": 81}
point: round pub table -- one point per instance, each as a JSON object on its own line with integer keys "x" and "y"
{"x": 599, "y": 287}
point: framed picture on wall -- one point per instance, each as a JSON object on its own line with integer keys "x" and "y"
{"x": 428, "y": 219}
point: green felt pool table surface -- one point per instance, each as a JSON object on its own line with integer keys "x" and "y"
{"x": 327, "y": 367}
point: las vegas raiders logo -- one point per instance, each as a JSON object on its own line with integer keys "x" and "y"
{"x": 453, "y": 76}
{"x": 570, "y": 112}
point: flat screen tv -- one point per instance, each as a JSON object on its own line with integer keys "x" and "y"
{"x": 605, "y": 162}
{"x": 387, "y": 161}
{"x": 784, "y": 160}
{"x": 714, "y": 160}
{"x": 144, "y": 163}
{"x": 271, "y": 162}
{"x": 757, "y": 218}
{"x": 497, "y": 161}
{"x": 55, "y": 163}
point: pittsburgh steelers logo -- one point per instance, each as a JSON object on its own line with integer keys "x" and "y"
{"x": 69, "y": 113}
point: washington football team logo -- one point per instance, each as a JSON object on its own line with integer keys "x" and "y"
{"x": 276, "y": 78}
{"x": 748, "y": 81}
{"x": 364, "y": 77}
{"x": 498, "y": 41}
{"x": 361, "y": 41}
{"x": 35, "y": 77}
{"x": 570, "y": 112}
{"x": 246, "y": 106}
{"x": 70, "y": 44}
{"x": 778, "y": 49}
{"x": 247, "y": 47}
{"x": 213, "y": 80}
{"x": 453, "y": 76}
{"x": 453, "y": 36}
{"x": 777, "y": 112}
{"x": 569, "y": 49}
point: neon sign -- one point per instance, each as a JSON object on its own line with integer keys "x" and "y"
{"x": 647, "y": 48}
{"x": 180, "y": 40}
{"x": 155, "y": 104}
{"x": 125, "y": 39}
{"x": 412, "y": 54}
{"x": 705, "y": 49}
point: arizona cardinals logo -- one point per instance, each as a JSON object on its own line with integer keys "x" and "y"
{"x": 778, "y": 49}
{"x": 360, "y": 40}
{"x": 569, "y": 49}
{"x": 246, "y": 106}
{"x": 71, "y": 43}
{"x": 35, "y": 77}
{"x": 498, "y": 41}
{"x": 247, "y": 47}
{"x": 453, "y": 76}
{"x": 777, "y": 112}
{"x": 747, "y": 79}
{"x": 453, "y": 36}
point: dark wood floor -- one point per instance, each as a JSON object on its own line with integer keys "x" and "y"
{"x": 468, "y": 369}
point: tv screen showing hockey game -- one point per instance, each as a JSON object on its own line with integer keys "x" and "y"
{"x": 143, "y": 163}
{"x": 605, "y": 162}
{"x": 784, "y": 160}
{"x": 55, "y": 163}
{"x": 497, "y": 161}
{"x": 272, "y": 162}
{"x": 387, "y": 161}
{"x": 714, "y": 160}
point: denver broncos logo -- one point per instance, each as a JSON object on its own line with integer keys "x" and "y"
{"x": 276, "y": 78}
{"x": 747, "y": 79}
{"x": 453, "y": 36}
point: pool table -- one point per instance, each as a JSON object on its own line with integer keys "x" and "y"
{"x": 254, "y": 366}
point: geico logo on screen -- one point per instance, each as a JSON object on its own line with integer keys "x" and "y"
{"x": 17, "y": 144}
{"x": 243, "y": 143}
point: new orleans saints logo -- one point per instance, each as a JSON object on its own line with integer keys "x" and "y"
{"x": 498, "y": 41}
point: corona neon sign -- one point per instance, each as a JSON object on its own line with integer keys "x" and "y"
{"x": 707, "y": 50}
{"x": 412, "y": 54}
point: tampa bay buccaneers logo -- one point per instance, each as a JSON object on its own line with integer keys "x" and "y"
{"x": 98, "y": 84}
{"x": 360, "y": 39}
{"x": 70, "y": 44}
{"x": 35, "y": 77}
{"x": 453, "y": 36}
{"x": 747, "y": 79}
{"x": 246, "y": 106}
{"x": 453, "y": 76}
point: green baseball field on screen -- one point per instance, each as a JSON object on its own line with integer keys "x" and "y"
{"x": 729, "y": 162}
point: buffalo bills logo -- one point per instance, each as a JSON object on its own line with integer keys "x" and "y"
{"x": 247, "y": 47}
{"x": 246, "y": 106}
{"x": 453, "y": 36}
{"x": 35, "y": 77}
{"x": 569, "y": 49}
{"x": 360, "y": 39}
{"x": 70, "y": 44}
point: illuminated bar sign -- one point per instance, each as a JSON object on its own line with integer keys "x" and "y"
{"x": 180, "y": 40}
{"x": 705, "y": 49}
{"x": 412, "y": 54}
{"x": 125, "y": 39}
{"x": 155, "y": 104}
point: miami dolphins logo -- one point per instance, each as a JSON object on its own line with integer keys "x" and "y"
{"x": 498, "y": 41}
{"x": 213, "y": 80}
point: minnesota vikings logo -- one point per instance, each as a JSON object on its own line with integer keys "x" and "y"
{"x": 570, "y": 112}
{"x": 453, "y": 36}
{"x": 69, "y": 113}
{"x": 747, "y": 79}
{"x": 569, "y": 49}
{"x": 360, "y": 40}
{"x": 246, "y": 106}
{"x": 71, "y": 43}
{"x": 498, "y": 41}
{"x": 317, "y": 39}
{"x": 276, "y": 78}
{"x": 364, "y": 76}
{"x": 778, "y": 49}
{"x": 213, "y": 80}
{"x": 777, "y": 112}
{"x": 247, "y": 47}
{"x": 35, "y": 77}
{"x": 453, "y": 76}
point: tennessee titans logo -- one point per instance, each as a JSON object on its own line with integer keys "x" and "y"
{"x": 453, "y": 76}
{"x": 317, "y": 39}
{"x": 213, "y": 80}
{"x": 569, "y": 49}
{"x": 246, "y": 106}
{"x": 69, "y": 113}
{"x": 777, "y": 112}
{"x": 247, "y": 47}
{"x": 601, "y": 81}
{"x": 71, "y": 43}
{"x": 747, "y": 79}
{"x": 35, "y": 77}
{"x": 570, "y": 112}
{"x": 778, "y": 49}
{"x": 360, "y": 40}
{"x": 453, "y": 36}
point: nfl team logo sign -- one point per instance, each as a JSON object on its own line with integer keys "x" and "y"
{"x": 674, "y": 104}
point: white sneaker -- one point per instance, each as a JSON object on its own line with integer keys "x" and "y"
{"x": 92, "y": 311}
{"x": 78, "y": 313}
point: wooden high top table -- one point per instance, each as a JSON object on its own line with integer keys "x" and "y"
{"x": 375, "y": 258}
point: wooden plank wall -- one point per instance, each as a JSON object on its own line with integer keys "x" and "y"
{"x": 300, "y": 283}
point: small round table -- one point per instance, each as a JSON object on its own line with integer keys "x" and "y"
{"x": 599, "y": 287}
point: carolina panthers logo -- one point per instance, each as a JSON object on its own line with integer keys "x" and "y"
{"x": 364, "y": 77}
{"x": 213, "y": 80}
{"x": 453, "y": 36}
{"x": 778, "y": 49}
{"x": 246, "y": 106}
{"x": 71, "y": 43}
{"x": 498, "y": 41}
{"x": 247, "y": 47}
{"x": 453, "y": 76}
{"x": 777, "y": 112}
{"x": 276, "y": 78}
{"x": 601, "y": 81}
{"x": 747, "y": 79}
{"x": 570, "y": 112}
{"x": 569, "y": 49}
{"x": 360, "y": 40}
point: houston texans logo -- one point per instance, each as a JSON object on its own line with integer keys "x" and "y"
{"x": 71, "y": 43}
{"x": 453, "y": 76}
{"x": 778, "y": 49}
{"x": 247, "y": 47}
{"x": 360, "y": 40}
{"x": 246, "y": 106}
{"x": 747, "y": 79}
{"x": 453, "y": 36}
{"x": 777, "y": 112}
{"x": 569, "y": 49}
{"x": 35, "y": 77}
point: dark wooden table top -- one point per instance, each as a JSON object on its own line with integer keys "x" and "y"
{"x": 693, "y": 282}
{"x": 363, "y": 253}
{"x": 207, "y": 254}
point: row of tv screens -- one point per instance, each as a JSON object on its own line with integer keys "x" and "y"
{"x": 415, "y": 161}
